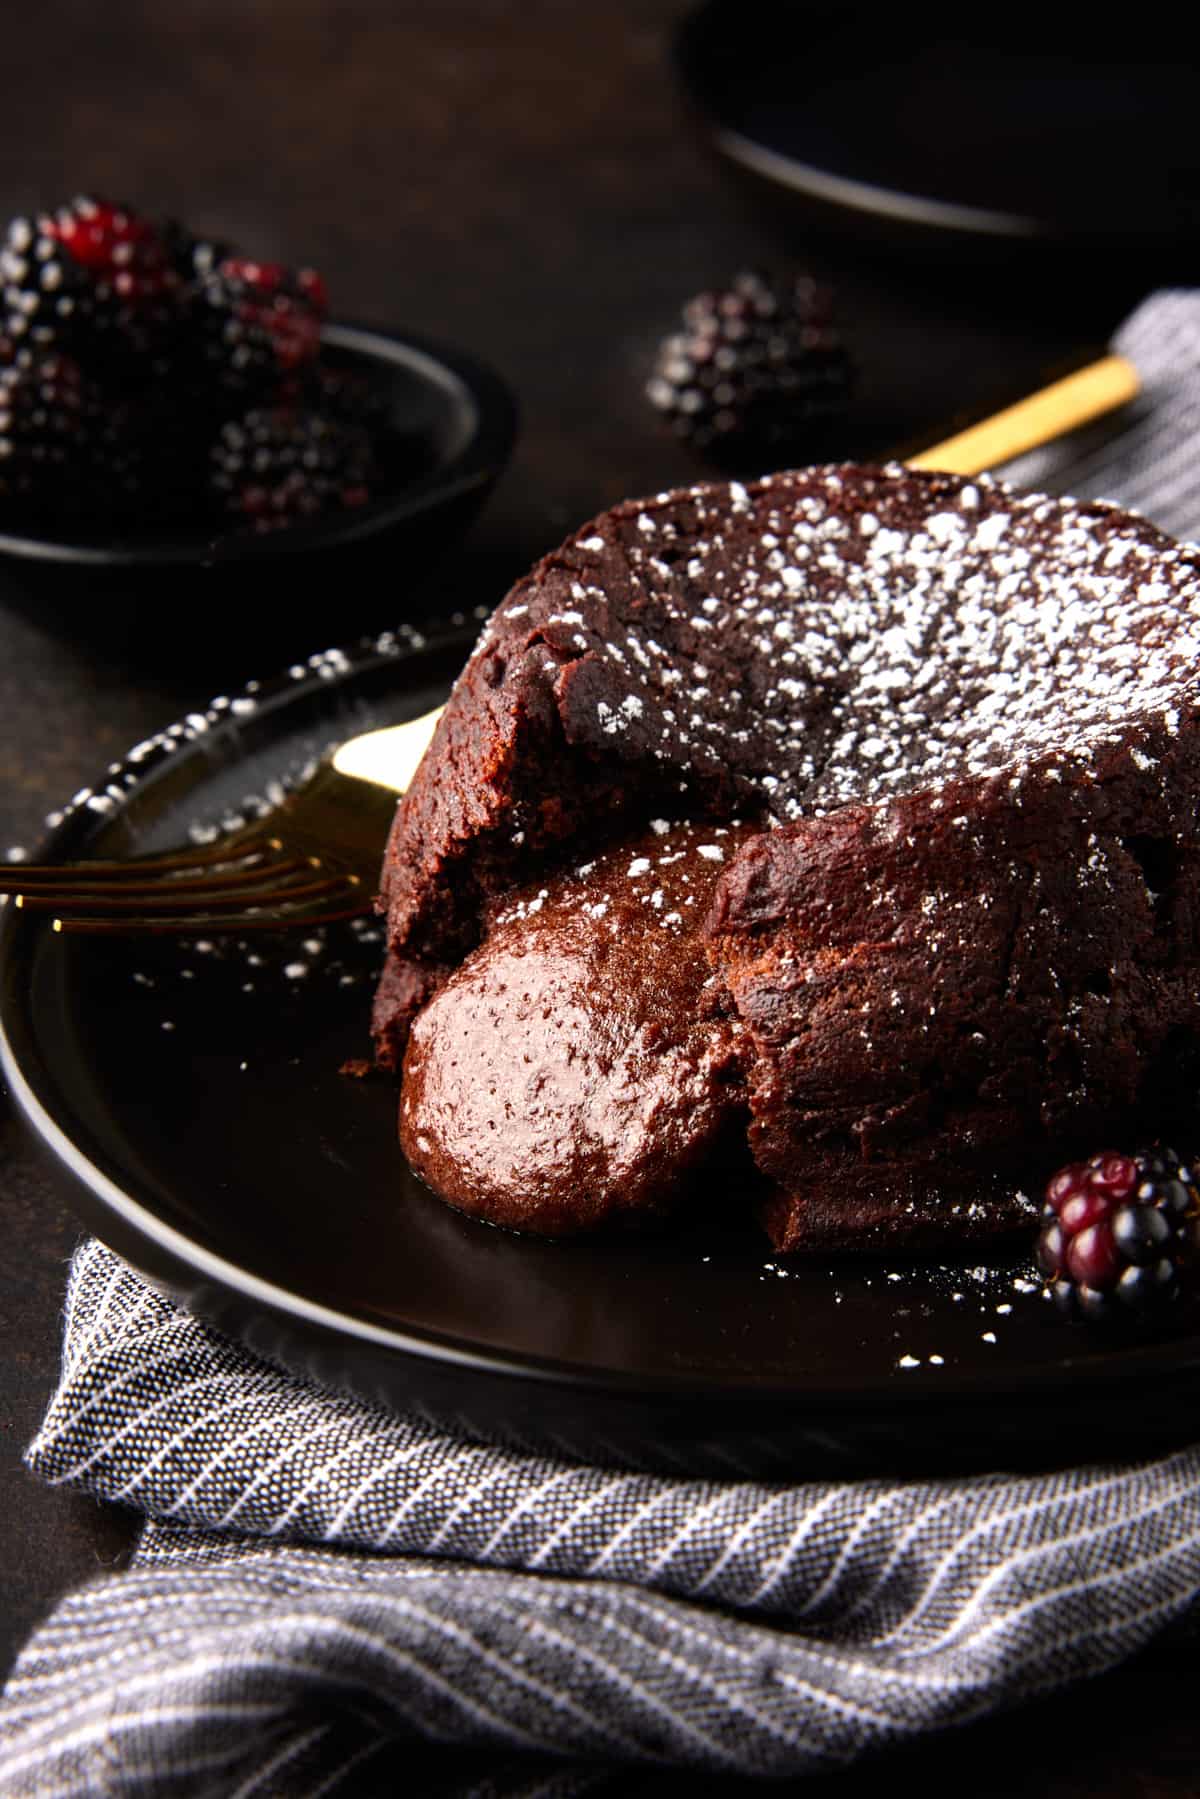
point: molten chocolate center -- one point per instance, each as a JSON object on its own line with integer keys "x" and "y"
{"x": 580, "y": 1063}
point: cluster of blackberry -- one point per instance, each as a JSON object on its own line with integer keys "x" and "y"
{"x": 756, "y": 372}
{"x": 149, "y": 376}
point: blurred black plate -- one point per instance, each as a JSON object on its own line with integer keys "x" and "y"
{"x": 191, "y": 1100}
{"x": 1009, "y": 125}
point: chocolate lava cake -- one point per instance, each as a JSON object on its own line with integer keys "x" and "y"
{"x": 845, "y": 823}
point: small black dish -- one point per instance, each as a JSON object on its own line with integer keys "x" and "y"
{"x": 979, "y": 135}
{"x": 189, "y": 1099}
{"x": 450, "y": 423}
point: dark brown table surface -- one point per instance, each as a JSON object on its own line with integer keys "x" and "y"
{"x": 521, "y": 179}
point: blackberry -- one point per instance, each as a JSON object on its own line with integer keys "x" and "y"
{"x": 346, "y": 395}
{"x": 279, "y": 467}
{"x": 257, "y": 325}
{"x": 1120, "y": 1234}
{"x": 756, "y": 372}
{"x": 92, "y": 280}
{"x": 193, "y": 258}
{"x": 66, "y": 452}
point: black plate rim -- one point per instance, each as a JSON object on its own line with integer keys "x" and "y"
{"x": 848, "y": 192}
{"x": 92, "y": 1191}
{"x": 900, "y": 208}
{"x": 476, "y": 459}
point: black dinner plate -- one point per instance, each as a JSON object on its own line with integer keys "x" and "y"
{"x": 191, "y": 1098}
{"x": 1010, "y": 127}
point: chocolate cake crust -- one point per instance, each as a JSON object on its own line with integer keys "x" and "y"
{"x": 965, "y": 720}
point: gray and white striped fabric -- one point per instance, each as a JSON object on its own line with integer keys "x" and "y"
{"x": 321, "y": 1585}
{"x": 321, "y": 1577}
{"x": 1150, "y": 459}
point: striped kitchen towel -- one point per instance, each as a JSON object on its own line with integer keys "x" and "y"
{"x": 320, "y": 1583}
{"x": 320, "y": 1578}
{"x": 1147, "y": 458}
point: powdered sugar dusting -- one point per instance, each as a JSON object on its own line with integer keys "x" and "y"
{"x": 835, "y": 642}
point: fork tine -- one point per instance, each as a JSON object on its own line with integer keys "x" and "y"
{"x": 69, "y": 891}
{"x": 274, "y": 918}
{"x": 106, "y": 902}
{"x": 19, "y": 877}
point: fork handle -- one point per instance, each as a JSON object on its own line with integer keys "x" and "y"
{"x": 1038, "y": 419}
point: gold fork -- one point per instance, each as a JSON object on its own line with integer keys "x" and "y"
{"x": 315, "y": 858}
{"x": 312, "y": 859}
